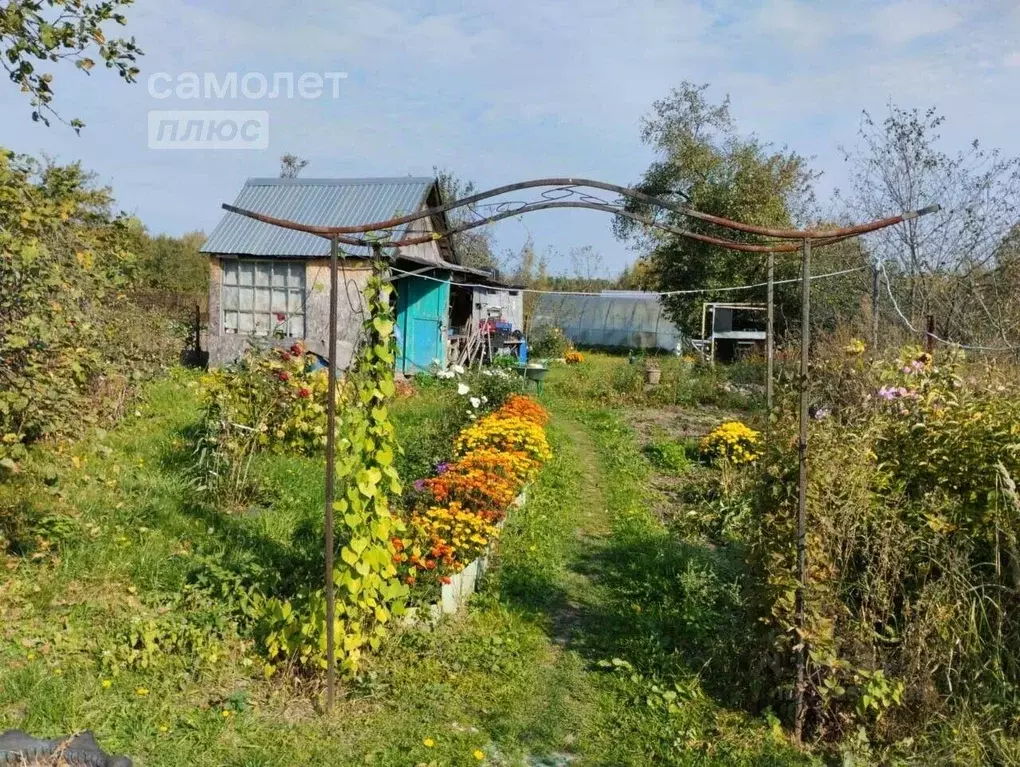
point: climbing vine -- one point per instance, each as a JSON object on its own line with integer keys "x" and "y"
{"x": 368, "y": 592}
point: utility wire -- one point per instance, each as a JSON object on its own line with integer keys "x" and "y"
{"x": 896, "y": 306}
{"x": 610, "y": 295}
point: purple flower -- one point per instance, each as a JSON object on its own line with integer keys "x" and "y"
{"x": 887, "y": 393}
{"x": 419, "y": 485}
{"x": 442, "y": 468}
{"x": 820, "y": 413}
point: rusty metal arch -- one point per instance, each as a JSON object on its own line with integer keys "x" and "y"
{"x": 567, "y": 188}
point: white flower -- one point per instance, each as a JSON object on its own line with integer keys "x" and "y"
{"x": 444, "y": 374}
{"x": 458, "y": 369}
{"x": 487, "y": 372}
{"x": 475, "y": 402}
{"x": 463, "y": 389}
{"x": 485, "y": 399}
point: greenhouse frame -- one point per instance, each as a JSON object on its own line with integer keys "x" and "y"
{"x": 612, "y": 319}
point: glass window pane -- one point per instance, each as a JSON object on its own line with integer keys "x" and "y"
{"x": 279, "y": 303}
{"x": 296, "y": 326}
{"x": 245, "y": 299}
{"x": 245, "y": 273}
{"x": 296, "y": 275}
{"x": 244, "y": 323}
{"x": 262, "y": 300}
{"x": 230, "y": 322}
{"x": 262, "y": 274}
{"x": 295, "y": 301}
{"x": 279, "y": 275}
{"x": 229, "y": 272}
{"x": 229, "y": 297}
{"x": 262, "y": 324}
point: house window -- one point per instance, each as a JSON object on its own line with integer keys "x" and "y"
{"x": 263, "y": 298}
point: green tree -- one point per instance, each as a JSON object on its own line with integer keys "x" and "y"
{"x": 174, "y": 264}
{"x": 51, "y": 31}
{"x": 703, "y": 162}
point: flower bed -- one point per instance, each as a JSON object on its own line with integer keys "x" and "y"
{"x": 462, "y": 509}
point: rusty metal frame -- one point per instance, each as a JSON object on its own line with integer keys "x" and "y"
{"x": 567, "y": 188}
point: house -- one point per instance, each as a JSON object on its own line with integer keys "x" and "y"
{"x": 271, "y": 283}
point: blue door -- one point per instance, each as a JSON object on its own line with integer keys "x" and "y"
{"x": 421, "y": 317}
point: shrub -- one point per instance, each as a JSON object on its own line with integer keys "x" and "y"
{"x": 269, "y": 401}
{"x": 496, "y": 385}
{"x": 574, "y": 357}
{"x": 483, "y": 481}
{"x": 510, "y": 434}
{"x": 72, "y": 346}
{"x": 547, "y": 342}
{"x": 913, "y": 587}
{"x": 526, "y": 408}
{"x": 733, "y": 442}
{"x": 445, "y": 539}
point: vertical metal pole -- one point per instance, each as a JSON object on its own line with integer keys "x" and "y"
{"x": 334, "y": 297}
{"x": 874, "y": 310}
{"x": 805, "y": 344}
{"x": 770, "y": 344}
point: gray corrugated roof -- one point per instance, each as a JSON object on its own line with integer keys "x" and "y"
{"x": 320, "y": 202}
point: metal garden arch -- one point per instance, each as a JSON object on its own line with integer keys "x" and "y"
{"x": 567, "y": 192}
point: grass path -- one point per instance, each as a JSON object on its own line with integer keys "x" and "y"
{"x": 612, "y": 603}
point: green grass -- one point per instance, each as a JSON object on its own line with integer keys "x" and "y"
{"x": 584, "y": 575}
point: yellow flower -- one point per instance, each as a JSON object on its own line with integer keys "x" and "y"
{"x": 478, "y": 754}
{"x": 142, "y": 691}
{"x": 106, "y": 684}
{"x": 163, "y": 728}
{"x": 429, "y": 743}
{"x": 225, "y": 713}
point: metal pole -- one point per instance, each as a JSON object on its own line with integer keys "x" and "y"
{"x": 805, "y": 343}
{"x": 874, "y": 309}
{"x": 334, "y": 296}
{"x": 770, "y": 344}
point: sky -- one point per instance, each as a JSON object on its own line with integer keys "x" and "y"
{"x": 501, "y": 92}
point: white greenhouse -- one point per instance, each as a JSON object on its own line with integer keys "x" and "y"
{"x": 613, "y": 319}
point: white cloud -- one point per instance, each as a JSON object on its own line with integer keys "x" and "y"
{"x": 908, "y": 20}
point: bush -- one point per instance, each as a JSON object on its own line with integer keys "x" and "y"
{"x": 72, "y": 346}
{"x": 547, "y": 342}
{"x": 269, "y": 401}
{"x": 914, "y": 582}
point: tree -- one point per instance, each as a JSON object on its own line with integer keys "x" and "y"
{"x": 942, "y": 263}
{"x": 61, "y": 30}
{"x": 703, "y": 162}
{"x": 474, "y": 247}
{"x": 174, "y": 265}
{"x": 291, "y": 165}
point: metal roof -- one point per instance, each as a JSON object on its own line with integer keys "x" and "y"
{"x": 320, "y": 202}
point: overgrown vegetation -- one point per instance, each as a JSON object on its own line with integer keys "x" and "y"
{"x": 72, "y": 343}
{"x": 913, "y": 584}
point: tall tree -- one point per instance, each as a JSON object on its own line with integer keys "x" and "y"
{"x": 703, "y": 162}
{"x": 291, "y": 165}
{"x": 940, "y": 263}
{"x": 34, "y": 31}
{"x": 474, "y": 247}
